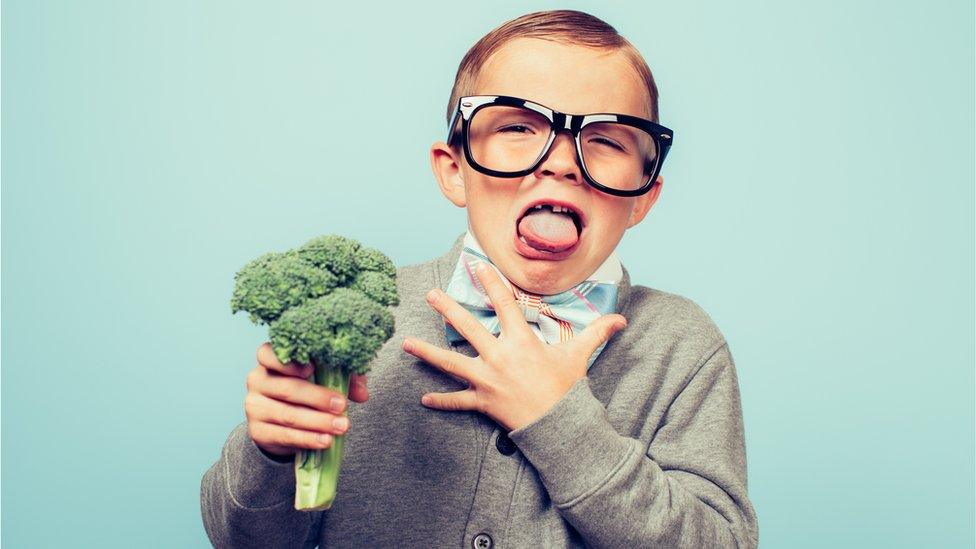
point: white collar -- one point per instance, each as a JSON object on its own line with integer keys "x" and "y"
{"x": 608, "y": 272}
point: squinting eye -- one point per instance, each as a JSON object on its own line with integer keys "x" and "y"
{"x": 514, "y": 128}
{"x": 608, "y": 142}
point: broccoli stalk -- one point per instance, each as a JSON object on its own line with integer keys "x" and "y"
{"x": 317, "y": 471}
{"x": 327, "y": 305}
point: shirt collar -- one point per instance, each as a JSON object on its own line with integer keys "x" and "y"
{"x": 443, "y": 268}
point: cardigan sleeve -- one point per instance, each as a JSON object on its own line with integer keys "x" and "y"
{"x": 247, "y": 499}
{"x": 686, "y": 489}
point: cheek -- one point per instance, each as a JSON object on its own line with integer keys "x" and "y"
{"x": 488, "y": 198}
{"x": 610, "y": 216}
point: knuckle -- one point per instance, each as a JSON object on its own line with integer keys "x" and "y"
{"x": 250, "y": 402}
{"x": 253, "y": 377}
{"x": 291, "y": 438}
{"x": 526, "y": 337}
{"x": 492, "y": 354}
{"x": 276, "y": 389}
{"x": 319, "y": 397}
{"x": 453, "y": 364}
{"x": 470, "y": 325}
{"x": 255, "y": 431}
{"x": 288, "y": 417}
{"x": 313, "y": 440}
{"x": 480, "y": 404}
{"x": 504, "y": 300}
{"x": 299, "y": 439}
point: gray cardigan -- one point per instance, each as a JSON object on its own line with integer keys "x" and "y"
{"x": 647, "y": 451}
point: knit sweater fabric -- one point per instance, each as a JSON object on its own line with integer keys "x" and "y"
{"x": 647, "y": 450}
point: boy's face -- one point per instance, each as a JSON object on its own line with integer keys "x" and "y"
{"x": 571, "y": 79}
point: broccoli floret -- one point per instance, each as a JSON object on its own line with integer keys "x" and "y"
{"x": 274, "y": 282}
{"x": 336, "y": 253}
{"x": 326, "y": 304}
{"x": 342, "y": 329}
{"x": 377, "y": 286}
{"x": 371, "y": 259}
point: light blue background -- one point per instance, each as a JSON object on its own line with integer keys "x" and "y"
{"x": 818, "y": 203}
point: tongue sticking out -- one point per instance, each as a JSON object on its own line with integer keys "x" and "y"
{"x": 546, "y": 230}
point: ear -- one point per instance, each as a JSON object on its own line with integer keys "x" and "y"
{"x": 447, "y": 169}
{"x": 644, "y": 202}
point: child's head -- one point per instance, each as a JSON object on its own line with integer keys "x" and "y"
{"x": 572, "y": 63}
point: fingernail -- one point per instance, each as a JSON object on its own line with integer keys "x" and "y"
{"x": 336, "y": 404}
{"x": 432, "y": 295}
{"x": 407, "y": 345}
{"x": 340, "y": 423}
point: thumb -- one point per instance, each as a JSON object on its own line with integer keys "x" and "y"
{"x": 599, "y": 331}
{"x": 357, "y": 388}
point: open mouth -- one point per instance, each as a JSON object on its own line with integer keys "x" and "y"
{"x": 549, "y": 229}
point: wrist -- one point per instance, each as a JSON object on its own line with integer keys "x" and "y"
{"x": 539, "y": 406}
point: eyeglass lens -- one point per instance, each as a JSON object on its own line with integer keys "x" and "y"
{"x": 510, "y": 139}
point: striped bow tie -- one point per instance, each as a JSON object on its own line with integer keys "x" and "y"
{"x": 553, "y": 318}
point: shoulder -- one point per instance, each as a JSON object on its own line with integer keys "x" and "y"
{"x": 417, "y": 277}
{"x": 663, "y": 320}
{"x": 413, "y": 282}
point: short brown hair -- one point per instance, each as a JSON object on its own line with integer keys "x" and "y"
{"x": 565, "y": 26}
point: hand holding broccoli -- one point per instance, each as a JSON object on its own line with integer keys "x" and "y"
{"x": 286, "y": 412}
{"x": 327, "y": 307}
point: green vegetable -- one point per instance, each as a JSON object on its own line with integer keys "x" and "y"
{"x": 326, "y": 304}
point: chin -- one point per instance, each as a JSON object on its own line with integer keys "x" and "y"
{"x": 540, "y": 276}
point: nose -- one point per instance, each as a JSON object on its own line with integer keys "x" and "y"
{"x": 561, "y": 160}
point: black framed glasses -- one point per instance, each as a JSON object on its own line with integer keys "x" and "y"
{"x": 507, "y": 136}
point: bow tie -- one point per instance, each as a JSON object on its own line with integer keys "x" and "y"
{"x": 553, "y": 318}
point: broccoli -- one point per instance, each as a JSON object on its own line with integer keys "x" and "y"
{"x": 327, "y": 304}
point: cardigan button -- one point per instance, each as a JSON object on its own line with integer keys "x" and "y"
{"x": 504, "y": 444}
{"x": 481, "y": 541}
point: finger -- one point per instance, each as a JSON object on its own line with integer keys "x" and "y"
{"x": 454, "y": 402}
{"x": 462, "y": 320}
{"x": 300, "y": 391}
{"x": 598, "y": 332}
{"x": 357, "y": 388}
{"x": 450, "y": 362}
{"x": 269, "y": 410}
{"x": 268, "y": 359}
{"x": 503, "y": 301}
{"x": 270, "y": 434}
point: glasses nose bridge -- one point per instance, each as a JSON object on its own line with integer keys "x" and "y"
{"x": 563, "y": 124}
{"x": 566, "y": 122}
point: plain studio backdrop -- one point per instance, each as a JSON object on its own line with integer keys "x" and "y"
{"x": 818, "y": 203}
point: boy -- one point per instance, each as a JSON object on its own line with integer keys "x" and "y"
{"x": 545, "y": 422}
